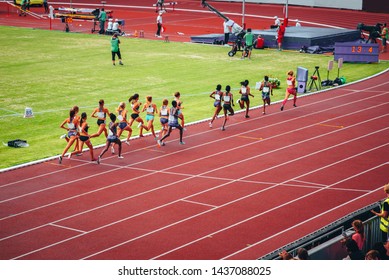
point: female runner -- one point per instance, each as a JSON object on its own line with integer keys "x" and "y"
{"x": 71, "y": 126}
{"x": 267, "y": 89}
{"x": 84, "y": 136}
{"x": 135, "y": 105}
{"x": 151, "y": 110}
{"x": 173, "y": 122}
{"x": 177, "y": 96}
{"x": 112, "y": 138}
{"x": 217, "y": 104}
{"x": 101, "y": 114}
{"x": 164, "y": 117}
{"x": 123, "y": 124}
{"x": 244, "y": 99}
{"x": 228, "y": 99}
{"x": 291, "y": 89}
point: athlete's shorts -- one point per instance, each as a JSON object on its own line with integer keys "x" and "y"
{"x": 292, "y": 90}
{"x": 265, "y": 96}
{"x": 72, "y": 133}
{"x": 163, "y": 120}
{"x": 113, "y": 139}
{"x": 244, "y": 98}
{"x": 227, "y": 107}
{"x": 149, "y": 118}
{"x": 216, "y": 103}
{"x": 134, "y": 116}
{"x": 84, "y": 138}
{"x": 100, "y": 122}
{"x": 123, "y": 125}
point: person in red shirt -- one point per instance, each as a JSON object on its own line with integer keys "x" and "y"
{"x": 280, "y": 35}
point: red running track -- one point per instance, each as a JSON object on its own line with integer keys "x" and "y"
{"x": 235, "y": 194}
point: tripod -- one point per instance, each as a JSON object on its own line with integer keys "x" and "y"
{"x": 315, "y": 78}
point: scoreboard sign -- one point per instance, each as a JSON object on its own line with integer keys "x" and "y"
{"x": 357, "y": 52}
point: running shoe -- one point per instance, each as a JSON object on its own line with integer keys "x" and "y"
{"x": 222, "y": 128}
{"x": 120, "y": 157}
{"x": 127, "y": 142}
{"x": 159, "y": 143}
{"x": 182, "y": 143}
{"x": 62, "y": 136}
{"x": 60, "y": 159}
{"x": 210, "y": 125}
{"x": 139, "y": 125}
{"x": 112, "y": 150}
{"x": 98, "y": 160}
{"x": 282, "y": 108}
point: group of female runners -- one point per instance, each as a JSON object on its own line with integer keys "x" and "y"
{"x": 113, "y": 125}
{"x": 78, "y": 128}
{"x": 224, "y": 100}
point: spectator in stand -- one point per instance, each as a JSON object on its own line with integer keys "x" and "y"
{"x": 359, "y": 235}
{"x": 384, "y": 215}
{"x": 284, "y": 255}
{"x": 372, "y": 255}
{"x": 353, "y": 252}
{"x": 383, "y": 250}
{"x": 302, "y": 254}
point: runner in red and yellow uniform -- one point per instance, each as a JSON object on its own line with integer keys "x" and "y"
{"x": 291, "y": 89}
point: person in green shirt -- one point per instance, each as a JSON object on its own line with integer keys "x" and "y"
{"x": 23, "y": 7}
{"x": 115, "y": 49}
{"x": 249, "y": 38}
{"x": 102, "y": 19}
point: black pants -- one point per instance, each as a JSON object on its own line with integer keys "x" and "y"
{"x": 159, "y": 26}
{"x": 116, "y": 53}
{"x": 226, "y": 38}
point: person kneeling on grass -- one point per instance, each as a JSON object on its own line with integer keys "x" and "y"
{"x": 173, "y": 122}
{"x": 112, "y": 137}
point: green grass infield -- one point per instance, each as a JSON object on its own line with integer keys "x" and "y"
{"x": 51, "y": 71}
